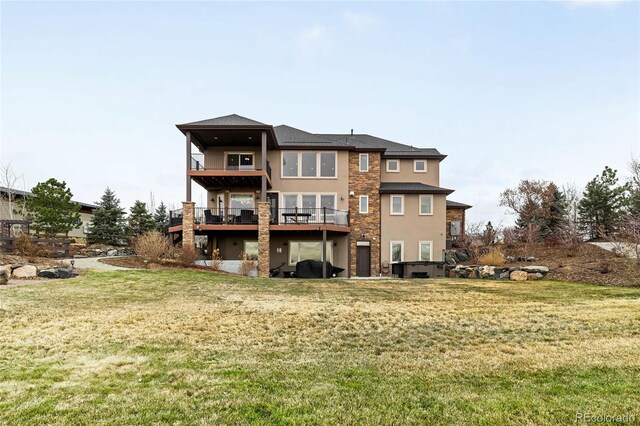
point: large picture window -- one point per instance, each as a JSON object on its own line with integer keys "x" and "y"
{"x": 308, "y": 164}
{"x": 312, "y": 204}
{"x": 241, "y": 201}
{"x": 309, "y": 250}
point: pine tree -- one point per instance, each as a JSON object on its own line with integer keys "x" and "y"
{"x": 51, "y": 208}
{"x": 107, "y": 225}
{"x": 603, "y": 203}
{"x": 140, "y": 220}
{"x": 161, "y": 219}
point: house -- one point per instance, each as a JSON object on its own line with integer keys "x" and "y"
{"x": 279, "y": 194}
{"x": 11, "y": 202}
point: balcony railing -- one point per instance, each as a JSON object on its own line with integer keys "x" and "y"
{"x": 249, "y": 216}
{"x": 218, "y": 163}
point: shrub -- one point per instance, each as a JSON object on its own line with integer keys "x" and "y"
{"x": 216, "y": 260}
{"x": 246, "y": 265}
{"x": 153, "y": 246}
{"x": 494, "y": 258}
{"x": 186, "y": 256}
{"x": 25, "y": 246}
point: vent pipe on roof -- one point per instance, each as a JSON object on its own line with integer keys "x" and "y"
{"x": 351, "y": 132}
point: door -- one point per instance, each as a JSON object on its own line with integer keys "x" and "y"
{"x": 272, "y": 198}
{"x": 363, "y": 260}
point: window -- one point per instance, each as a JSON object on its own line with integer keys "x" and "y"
{"x": 393, "y": 166}
{"x": 420, "y": 166}
{"x": 328, "y": 202}
{"x": 308, "y": 164}
{"x": 397, "y": 204}
{"x": 290, "y": 201}
{"x": 397, "y": 251}
{"x": 241, "y": 201}
{"x": 239, "y": 161}
{"x": 251, "y": 250}
{"x": 364, "y": 204}
{"x": 364, "y": 162}
{"x": 426, "y": 205}
{"x": 424, "y": 250}
{"x": 290, "y": 164}
{"x": 328, "y": 164}
{"x": 309, "y": 250}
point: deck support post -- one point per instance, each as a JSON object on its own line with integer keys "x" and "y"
{"x": 188, "y": 234}
{"x": 324, "y": 252}
{"x": 264, "y": 218}
{"x": 188, "y": 165}
{"x": 263, "y": 189}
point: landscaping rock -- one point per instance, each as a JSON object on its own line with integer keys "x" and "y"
{"x": 462, "y": 255}
{"x": 518, "y": 276}
{"x": 504, "y": 275}
{"x": 4, "y": 277}
{"x": 463, "y": 273}
{"x": 112, "y": 252}
{"x": 449, "y": 259}
{"x": 48, "y": 273}
{"x": 487, "y": 271}
{"x": 66, "y": 273}
{"x": 536, "y": 269}
{"x": 26, "y": 271}
{"x": 532, "y": 277}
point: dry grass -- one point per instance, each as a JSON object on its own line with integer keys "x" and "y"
{"x": 200, "y": 348}
{"x": 494, "y": 258}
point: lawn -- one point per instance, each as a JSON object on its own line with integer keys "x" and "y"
{"x": 188, "y": 347}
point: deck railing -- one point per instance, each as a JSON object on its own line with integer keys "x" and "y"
{"x": 249, "y": 216}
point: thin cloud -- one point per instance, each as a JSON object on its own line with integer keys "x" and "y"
{"x": 359, "y": 22}
{"x": 312, "y": 38}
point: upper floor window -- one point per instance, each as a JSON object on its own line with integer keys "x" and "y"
{"x": 397, "y": 204}
{"x": 393, "y": 166}
{"x": 420, "y": 166}
{"x": 364, "y": 162}
{"x": 239, "y": 161}
{"x": 426, "y": 204}
{"x": 308, "y": 164}
{"x": 364, "y": 204}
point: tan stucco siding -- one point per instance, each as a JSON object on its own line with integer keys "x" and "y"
{"x": 413, "y": 228}
{"x": 406, "y": 173}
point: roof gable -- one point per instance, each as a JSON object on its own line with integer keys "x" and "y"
{"x": 226, "y": 120}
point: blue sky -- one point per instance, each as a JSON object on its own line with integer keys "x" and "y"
{"x": 508, "y": 90}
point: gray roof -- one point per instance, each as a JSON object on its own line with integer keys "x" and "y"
{"x": 456, "y": 205}
{"x": 227, "y": 120}
{"x": 364, "y": 141}
{"x": 411, "y": 188}
{"x": 290, "y": 136}
{"x": 23, "y": 194}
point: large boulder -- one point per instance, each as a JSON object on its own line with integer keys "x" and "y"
{"x": 26, "y": 271}
{"x": 534, "y": 276}
{"x": 66, "y": 273}
{"x": 450, "y": 259}
{"x": 536, "y": 269}
{"x": 518, "y": 276}
{"x": 487, "y": 271}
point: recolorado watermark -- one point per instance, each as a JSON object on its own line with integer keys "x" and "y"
{"x": 605, "y": 418}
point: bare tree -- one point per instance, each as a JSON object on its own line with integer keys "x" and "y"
{"x": 11, "y": 207}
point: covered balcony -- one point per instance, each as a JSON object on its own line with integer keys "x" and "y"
{"x": 222, "y": 169}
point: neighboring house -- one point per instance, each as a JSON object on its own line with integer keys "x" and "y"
{"x": 14, "y": 210}
{"x": 275, "y": 193}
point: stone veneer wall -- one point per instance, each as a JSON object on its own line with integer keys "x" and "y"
{"x": 365, "y": 183}
{"x": 452, "y": 216}
{"x": 264, "y": 217}
{"x": 188, "y": 213}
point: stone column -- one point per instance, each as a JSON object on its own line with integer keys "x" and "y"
{"x": 188, "y": 213}
{"x": 264, "y": 217}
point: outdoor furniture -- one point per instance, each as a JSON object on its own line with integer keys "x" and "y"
{"x": 246, "y": 216}
{"x": 296, "y": 217}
